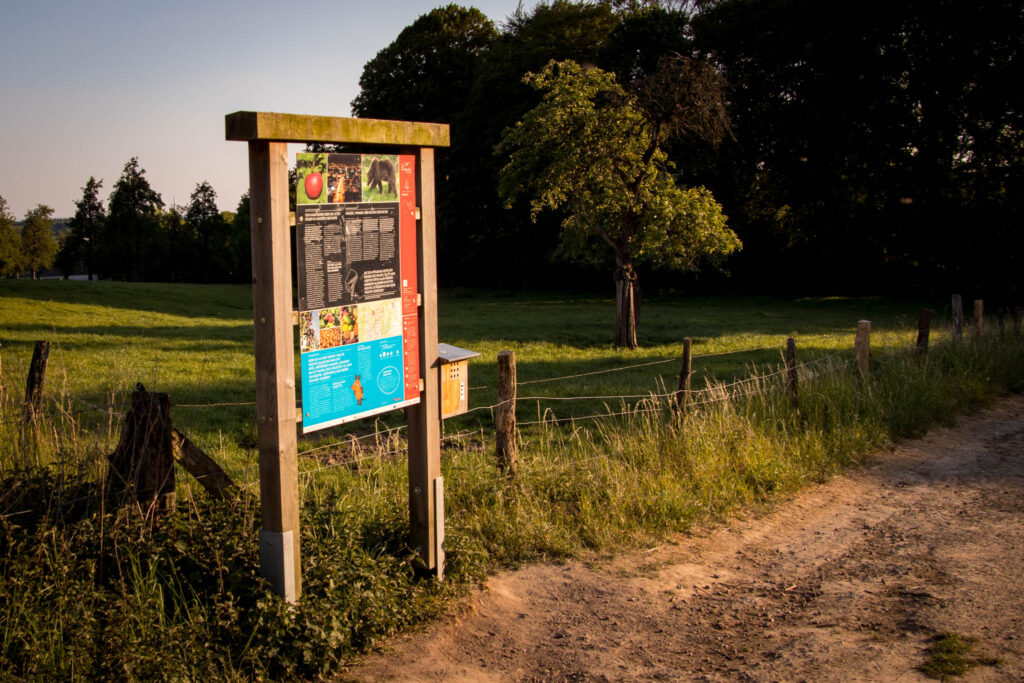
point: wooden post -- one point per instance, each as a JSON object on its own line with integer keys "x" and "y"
{"x": 34, "y": 383}
{"x": 862, "y": 347}
{"x": 201, "y": 466}
{"x": 280, "y": 556}
{"x": 424, "y": 418}
{"x": 142, "y": 463}
{"x": 685, "y": 372}
{"x": 979, "y": 318}
{"x": 924, "y": 324}
{"x": 506, "y": 447}
{"x": 958, "y": 316}
{"x": 791, "y": 371}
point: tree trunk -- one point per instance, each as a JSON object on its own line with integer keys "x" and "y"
{"x": 625, "y": 306}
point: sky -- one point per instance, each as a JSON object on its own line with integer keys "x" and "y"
{"x": 86, "y": 85}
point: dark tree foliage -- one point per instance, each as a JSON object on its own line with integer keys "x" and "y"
{"x": 882, "y": 138}
{"x": 210, "y": 236}
{"x": 427, "y": 72}
{"x": 240, "y": 242}
{"x": 80, "y": 244}
{"x": 132, "y": 243}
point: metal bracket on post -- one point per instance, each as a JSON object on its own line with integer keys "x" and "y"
{"x": 439, "y": 526}
{"x": 277, "y": 562}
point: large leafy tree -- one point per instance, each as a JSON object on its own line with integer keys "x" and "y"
{"x": 80, "y": 244}
{"x": 591, "y": 150}
{"x": 38, "y": 246}
{"x": 240, "y": 241}
{"x": 10, "y": 243}
{"x": 131, "y": 239}
{"x": 427, "y": 72}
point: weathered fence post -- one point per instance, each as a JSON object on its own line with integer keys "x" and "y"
{"x": 791, "y": 371}
{"x": 685, "y": 372}
{"x": 34, "y": 383}
{"x": 143, "y": 463}
{"x": 862, "y": 347}
{"x": 958, "y": 316}
{"x": 924, "y": 324}
{"x": 979, "y": 318}
{"x": 505, "y": 417}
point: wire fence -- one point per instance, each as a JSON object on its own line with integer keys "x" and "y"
{"x": 388, "y": 441}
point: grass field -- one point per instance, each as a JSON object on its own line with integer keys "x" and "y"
{"x": 97, "y": 592}
{"x": 194, "y": 342}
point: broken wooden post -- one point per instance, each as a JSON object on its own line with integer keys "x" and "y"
{"x": 201, "y": 466}
{"x": 791, "y": 372}
{"x": 34, "y": 383}
{"x": 685, "y": 372}
{"x": 924, "y": 323}
{"x": 958, "y": 316}
{"x": 506, "y": 447}
{"x": 862, "y": 347}
{"x": 142, "y": 464}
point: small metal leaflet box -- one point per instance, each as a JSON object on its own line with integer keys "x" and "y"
{"x": 454, "y": 379}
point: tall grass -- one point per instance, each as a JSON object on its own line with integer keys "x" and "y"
{"x": 90, "y": 589}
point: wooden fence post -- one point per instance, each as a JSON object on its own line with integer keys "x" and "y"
{"x": 958, "y": 316}
{"x": 426, "y": 518}
{"x": 685, "y": 372}
{"x": 862, "y": 347}
{"x": 34, "y": 383}
{"x": 791, "y": 377}
{"x": 505, "y": 418}
{"x": 142, "y": 463}
{"x": 924, "y": 323}
{"x": 280, "y": 548}
{"x": 979, "y": 318}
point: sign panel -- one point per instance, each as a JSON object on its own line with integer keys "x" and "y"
{"x": 355, "y": 232}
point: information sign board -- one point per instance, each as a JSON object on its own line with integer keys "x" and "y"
{"x": 355, "y": 233}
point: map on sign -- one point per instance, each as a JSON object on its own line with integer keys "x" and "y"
{"x": 355, "y": 234}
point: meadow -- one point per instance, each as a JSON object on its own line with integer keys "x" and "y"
{"x": 182, "y": 599}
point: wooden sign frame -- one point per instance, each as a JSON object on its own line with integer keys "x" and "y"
{"x": 267, "y": 135}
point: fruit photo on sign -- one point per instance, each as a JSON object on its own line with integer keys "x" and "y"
{"x": 310, "y": 170}
{"x": 330, "y": 317}
{"x": 349, "y": 325}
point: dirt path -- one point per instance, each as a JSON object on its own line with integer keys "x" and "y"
{"x": 849, "y": 581}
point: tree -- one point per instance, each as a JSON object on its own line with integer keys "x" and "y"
{"x": 38, "y": 246}
{"x": 427, "y": 72}
{"x": 241, "y": 242}
{"x": 207, "y": 228}
{"x": 86, "y": 229}
{"x": 589, "y": 149}
{"x": 10, "y": 243}
{"x": 131, "y": 238}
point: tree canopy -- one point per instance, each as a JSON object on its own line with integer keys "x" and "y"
{"x": 38, "y": 246}
{"x": 589, "y": 148}
{"x": 10, "y": 243}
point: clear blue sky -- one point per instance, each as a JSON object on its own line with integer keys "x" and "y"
{"x": 84, "y": 85}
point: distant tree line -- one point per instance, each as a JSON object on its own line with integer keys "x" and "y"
{"x": 870, "y": 147}
{"x": 135, "y": 237}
